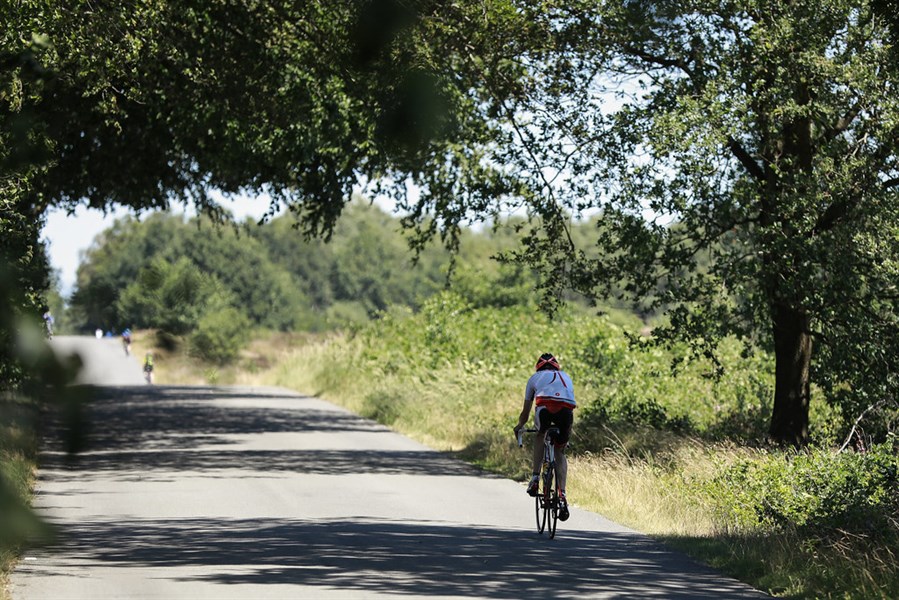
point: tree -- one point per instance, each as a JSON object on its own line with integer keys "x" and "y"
{"x": 372, "y": 265}
{"x": 142, "y": 105}
{"x": 220, "y": 335}
{"x": 762, "y": 136}
{"x": 115, "y": 260}
{"x": 120, "y": 256}
{"x": 278, "y": 278}
{"x": 173, "y": 297}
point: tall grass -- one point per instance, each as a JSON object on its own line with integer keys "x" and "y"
{"x": 18, "y": 448}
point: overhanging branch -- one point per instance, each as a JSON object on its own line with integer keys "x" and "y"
{"x": 834, "y": 213}
{"x": 746, "y": 159}
{"x": 661, "y": 61}
{"x": 844, "y": 122}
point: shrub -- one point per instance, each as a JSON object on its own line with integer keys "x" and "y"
{"x": 346, "y": 314}
{"x": 220, "y": 335}
{"x": 817, "y": 491}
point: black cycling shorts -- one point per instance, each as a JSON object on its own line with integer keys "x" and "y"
{"x": 563, "y": 419}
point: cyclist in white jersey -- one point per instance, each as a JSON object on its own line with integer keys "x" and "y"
{"x": 551, "y": 388}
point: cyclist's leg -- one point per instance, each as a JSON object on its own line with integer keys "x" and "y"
{"x": 541, "y": 427}
{"x": 564, "y": 420}
{"x": 561, "y": 468}
{"x": 537, "y": 460}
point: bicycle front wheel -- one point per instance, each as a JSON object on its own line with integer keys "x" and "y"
{"x": 541, "y": 512}
{"x": 547, "y": 499}
{"x": 551, "y": 503}
{"x": 552, "y": 513}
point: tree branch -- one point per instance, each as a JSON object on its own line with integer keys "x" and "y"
{"x": 523, "y": 138}
{"x": 661, "y": 61}
{"x": 839, "y": 209}
{"x": 834, "y": 213}
{"x": 746, "y": 159}
{"x": 844, "y": 122}
{"x": 874, "y": 406}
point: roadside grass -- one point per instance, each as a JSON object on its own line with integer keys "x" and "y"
{"x": 789, "y": 565}
{"x": 174, "y": 364}
{"x": 17, "y": 467}
{"x": 648, "y": 451}
{"x": 15, "y": 490}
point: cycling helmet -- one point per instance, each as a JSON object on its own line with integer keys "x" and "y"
{"x": 547, "y": 361}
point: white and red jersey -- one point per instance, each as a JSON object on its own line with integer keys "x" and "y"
{"x": 551, "y": 388}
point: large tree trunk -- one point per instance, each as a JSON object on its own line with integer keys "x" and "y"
{"x": 793, "y": 354}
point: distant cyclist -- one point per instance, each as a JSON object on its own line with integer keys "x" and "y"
{"x": 126, "y": 341}
{"x": 148, "y": 367}
{"x": 553, "y": 392}
{"x": 48, "y": 320}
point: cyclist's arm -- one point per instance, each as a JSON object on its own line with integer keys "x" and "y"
{"x": 526, "y": 408}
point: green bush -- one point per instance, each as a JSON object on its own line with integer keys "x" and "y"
{"x": 816, "y": 491}
{"x": 623, "y": 385}
{"x": 346, "y": 315}
{"x": 171, "y": 296}
{"x": 616, "y": 380}
{"x": 220, "y": 335}
{"x": 384, "y": 408}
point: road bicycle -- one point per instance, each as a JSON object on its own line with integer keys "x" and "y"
{"x": 547, "y": 500}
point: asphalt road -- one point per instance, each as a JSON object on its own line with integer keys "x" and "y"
{"x": 104, "y": 360}
{"x": 202, "y": 492}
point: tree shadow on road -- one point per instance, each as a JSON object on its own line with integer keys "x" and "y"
{"x": 143, "y": 431}
{"x": 147, "y": 417}
{"x": 418, "y": 558}
{"x": 262, "y": 463}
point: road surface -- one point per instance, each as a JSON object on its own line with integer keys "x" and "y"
{"x": 105, "y": 362}
{"x": 211, "y": 492}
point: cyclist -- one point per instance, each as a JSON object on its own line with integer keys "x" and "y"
{"x": 48, "y": 319}
{"x": 551, "y": 388}
{"x": 126, "y": 341}
{"x": 148, "y": 367}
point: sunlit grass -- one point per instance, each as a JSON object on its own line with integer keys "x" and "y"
{"x": 636, "y": 493}
{"x": 176, "y": 365}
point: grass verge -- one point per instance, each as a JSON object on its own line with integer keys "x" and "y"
{"x": 174, "y": 364}
{"x": 17, "y": 468}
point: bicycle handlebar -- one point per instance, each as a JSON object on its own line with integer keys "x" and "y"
{"x": 521, "y": 434}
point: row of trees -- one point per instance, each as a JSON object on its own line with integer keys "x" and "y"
{"x": 765, "y": 130}
{"x": 193, "y": 278}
